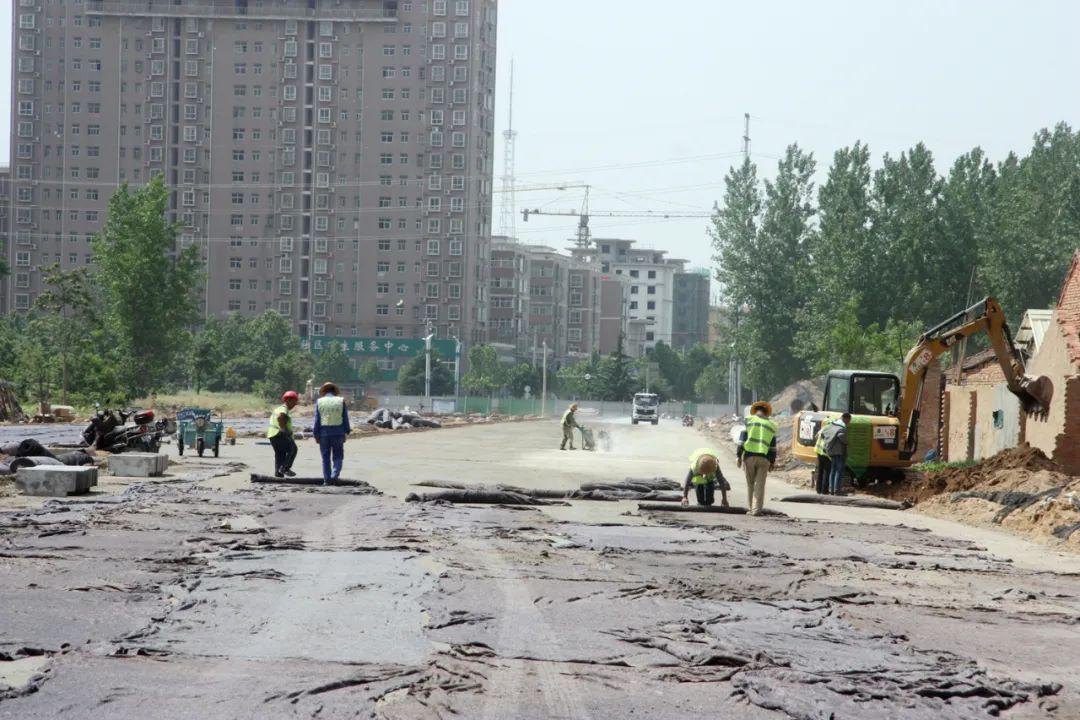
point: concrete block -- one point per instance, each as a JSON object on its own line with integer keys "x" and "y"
{"x": 56, "y": 480}
{"x": 138, "y": 464}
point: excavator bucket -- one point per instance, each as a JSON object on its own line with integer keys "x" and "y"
{"x": 1035, "y": 394}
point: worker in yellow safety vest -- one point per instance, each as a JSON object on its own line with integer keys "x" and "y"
{"x": 824, "y": 465}
{"x": 756, "y": 453}
{"x": 569, "y": 422}
{"x": 330, "y": 430}
{"x": 705, "y": 476}
{"x": 280, "y": 435}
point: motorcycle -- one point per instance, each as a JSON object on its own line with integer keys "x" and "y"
{"x": 688, "y": 421}
{"x": 108, "y": 430}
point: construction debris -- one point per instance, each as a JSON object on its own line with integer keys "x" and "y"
{"x": 256, "y": 478}
{"x": 393, "y": 420}
{"x": 1020, "y": 490}
{"x": 600, "y": 493}
{"x": 849, "y": 501}
{"x": 659, "y": 507}
{"x": 481, "y": 497}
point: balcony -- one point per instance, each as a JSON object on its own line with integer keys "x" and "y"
{"x": 228, "y": 10}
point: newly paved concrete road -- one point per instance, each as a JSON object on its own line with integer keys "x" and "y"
{"x": 199, "y": 596}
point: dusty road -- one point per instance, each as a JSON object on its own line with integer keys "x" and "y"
{"x": 201, "y": 597}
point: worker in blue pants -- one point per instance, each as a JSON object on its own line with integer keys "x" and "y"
{"x": 331, "y": 429}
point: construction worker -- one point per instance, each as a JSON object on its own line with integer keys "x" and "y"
{"x": 821, "y": 478}
{"x": 756, "y": 453}
{"x": 569, "y": 422}
{"x": 280, "y": 434}
{"x": 835, "y": 444}
{"x": 705, "y": 476}
{"x": 330, "y": 430}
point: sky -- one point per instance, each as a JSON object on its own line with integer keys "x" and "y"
{"x": 644, "y": 100}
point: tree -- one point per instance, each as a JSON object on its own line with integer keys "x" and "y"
{"x": 206, "y": 354}
{"x": 520, "y": 376}
{"x": 370, "y": 373}
{"x": 332, "y": 364}
{"x": 66, "y": 308}
{"x": 411, "y": 377}
{"x": 582, "y": 379}
{"x": 36, "y": 367}
{"x": 712, "y": 384}
{"x": 147, "y": 283}
{"x": 288, "y": 371}
{"x": 615, "y": 381}
{"x": 485, "y": 374}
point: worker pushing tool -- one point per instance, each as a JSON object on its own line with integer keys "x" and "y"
{"x": 756, "y": 453}
{"x": 330, "y": 430}
{"x": 569, "y": 422}
{"x": 705, "y": 477}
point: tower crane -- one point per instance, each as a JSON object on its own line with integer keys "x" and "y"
{"x": 584, "y": 235}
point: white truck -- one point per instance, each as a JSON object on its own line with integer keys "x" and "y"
{"x": 646, "y": 408}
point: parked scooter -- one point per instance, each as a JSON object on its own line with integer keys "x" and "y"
{"x": 108, "y": 430}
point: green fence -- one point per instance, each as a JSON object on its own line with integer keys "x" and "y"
{"x": 502, "y": 406}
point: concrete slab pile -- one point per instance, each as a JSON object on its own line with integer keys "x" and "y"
{"x": 56, "y": 480}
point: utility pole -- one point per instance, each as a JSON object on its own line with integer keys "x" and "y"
{"x": 508, "y": 214}
{"x": 746, "y": 136}
{"x": 427, "y": 366}
{"x": 543, "y": 384}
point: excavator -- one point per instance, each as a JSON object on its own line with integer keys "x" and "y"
{"x": 884, "y": 432}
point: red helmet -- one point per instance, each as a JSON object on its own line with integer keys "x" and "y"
{"x": 290, "y": 395}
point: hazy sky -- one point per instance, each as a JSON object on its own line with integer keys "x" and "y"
{"x": 644, "y": 99}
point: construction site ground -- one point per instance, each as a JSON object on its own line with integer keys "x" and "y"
{"x": 197, "y": 596}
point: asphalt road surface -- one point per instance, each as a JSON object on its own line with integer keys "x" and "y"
{"x": 200, "y": 596}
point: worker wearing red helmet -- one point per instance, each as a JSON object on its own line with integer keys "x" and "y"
{"x": 280, "y": 434}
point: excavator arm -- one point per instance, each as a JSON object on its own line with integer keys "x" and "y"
{"x": 1034, "y": 393}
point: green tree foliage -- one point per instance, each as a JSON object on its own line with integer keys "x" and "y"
{"x": 522, "y": 375}
{"x": 370, "y": 373}
{"x": 147, "y": 284}
{"x": 615, "y": 381}
{"x": 411, "y": 377}
{"x": 486, "y": 374}
{"x": 288, "y": 371}
{"x": 66, "y": 311}
{"x": 711, "y": 385}
{"x": 333, "y": 365}
{"x": 582, "y": 379}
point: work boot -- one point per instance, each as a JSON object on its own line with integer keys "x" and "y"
{"x": 289, "y": 473}
{"x": 279, "y": 473}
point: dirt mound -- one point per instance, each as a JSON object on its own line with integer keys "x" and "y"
{"x": 1019, "y": 489}
{"x": 798, "y": 395}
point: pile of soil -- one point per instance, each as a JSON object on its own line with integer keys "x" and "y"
{"x": 1020, "y": 490}
{"x": 799, "y": 395}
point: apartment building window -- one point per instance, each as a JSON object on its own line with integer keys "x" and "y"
{"x": 456, "y": 247}
{"x": 382, "y": 309}
{"x": 432, "y": 245}
{"x": 650, "y": 305}
{"x": 235, "y": 263}
{"x": 652, "y": 290}
{"x": 461, "y": 7}
{"x": 461, "y": 52}
{"x": 289, "y": 71}
{"x": 432, "y": 291}
{"x": 326, "y": 72}
{"x": 438, "y": 52}
{"x": 284, "y": 308}
{"x": 431, "y": 312}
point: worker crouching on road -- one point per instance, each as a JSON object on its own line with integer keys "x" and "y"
{"x": 331, "y": 429}
{"x": 705, "y": 476}
{"x": 569, "y": 422}
{"x": 757, "y": 453}
{"x": 280, "y": 434}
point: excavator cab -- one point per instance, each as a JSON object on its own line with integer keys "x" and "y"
{"x": 861, "y": 392}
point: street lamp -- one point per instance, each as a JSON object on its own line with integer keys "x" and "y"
{"x": 427, "y": 363}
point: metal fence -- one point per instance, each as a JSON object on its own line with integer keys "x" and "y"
{"x": 521, "y": 407}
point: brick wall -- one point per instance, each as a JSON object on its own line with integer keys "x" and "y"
{"x": 1068, "y": 309}
{"x": 1067, "y": 445}
{"x": 930, "y": 411}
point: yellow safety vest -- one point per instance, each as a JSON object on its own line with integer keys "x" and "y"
{"x": 695, "y": 456}
{"x": 331, "y": 410}
{"x": 275, "y": 427}
{"x": 819, "y": 446}
{"x": 759, "y": 435}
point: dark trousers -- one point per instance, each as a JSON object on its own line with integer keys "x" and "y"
{"x": 821, "y": 479}
{"x": 284, "y": 451}
{"x": 705, "y": 493}
{"x": 332, "y": 449}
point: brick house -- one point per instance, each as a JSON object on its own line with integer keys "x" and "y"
{"x": 1058, "y": 434}
{"x": 981, "y": 416}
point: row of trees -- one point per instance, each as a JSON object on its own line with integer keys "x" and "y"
{"x": 129, "y": 324}
{"x": 850, "y": 273}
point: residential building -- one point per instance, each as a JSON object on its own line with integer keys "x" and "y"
{"x": 690, "y": 310}
{"x": 539, "y": 295}
{"x": 651, "y": 278}
{"x": 331, "y": 158}
{"x": 5, "y": 206}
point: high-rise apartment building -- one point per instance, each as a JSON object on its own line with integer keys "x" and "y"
{"x": 332, "y": 158}
{"x": 5, "y": 204}
{"x": 690, "y": 306}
